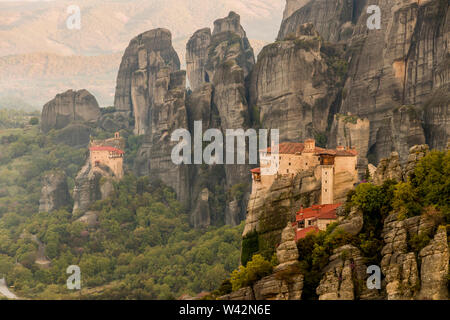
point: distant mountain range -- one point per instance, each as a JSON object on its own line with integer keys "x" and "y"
{"x": 40, "y": 56}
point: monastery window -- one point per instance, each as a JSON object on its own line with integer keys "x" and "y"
{"x": 326, "y": 190}
{"x": 301, "y": 224}
{"x": 289, "y": 163}
{"x": 287, "y": 171}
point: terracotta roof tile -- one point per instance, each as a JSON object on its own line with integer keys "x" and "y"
{"x": 300, "y": 234}
{"x": 327, "y": 211}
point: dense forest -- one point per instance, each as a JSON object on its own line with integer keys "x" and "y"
{"x": 142, "y": 248}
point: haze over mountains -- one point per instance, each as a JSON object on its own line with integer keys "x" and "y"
{"x": 40, "y": 56}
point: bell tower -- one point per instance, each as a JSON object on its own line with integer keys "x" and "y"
{"x": 327, "y": 168}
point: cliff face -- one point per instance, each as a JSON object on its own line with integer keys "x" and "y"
{"x": 218, "y": 65}
{"x": 144, "y": 69}
{"x": 68, "y": 108}
{"x": 294, "y": 85}
{"x": 196, "y": 57}
{"x": 292, "y": 6}
{"x": 167, "y": 115}
{"x": 269, "y": 211}
{"x": 397, "y": 75}
{"x": 332, "y": 18}
{"x": 55, "y": 192}
{"x": 404, "y": 63}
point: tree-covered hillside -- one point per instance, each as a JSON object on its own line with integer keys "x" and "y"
{"x": 141, "y": 248}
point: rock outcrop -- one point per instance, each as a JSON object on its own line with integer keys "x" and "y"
{"x": 287, "y": 252}
{"x": 400, "y": 265}
{"x": 286, "y": 283}
{"x": 54, "y": 193}
{"x": 392, "y": 169}
{"x": 344, "y": 277}
{"x": 434, "y": 268}
{"x": 91, "y": 184}
{"x": 270, "y": 210}
{"x": 352, "y": 224}
{"x": 68, "y": 108}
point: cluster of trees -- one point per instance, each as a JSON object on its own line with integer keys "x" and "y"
{"x": 142, "y": 248}
{"x": 10, "y": 118}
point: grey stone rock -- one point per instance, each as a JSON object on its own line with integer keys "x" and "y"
{"x": 69, "y": 107}
{"x": 54, "y": 193}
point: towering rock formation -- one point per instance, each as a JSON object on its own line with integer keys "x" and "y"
{"x": 68, "y": 108}
{"x": 218, "y": 64}
{"x": 294, "y": 85}
{"x": 143, "y": 76}
{"x": 54, "y": 193}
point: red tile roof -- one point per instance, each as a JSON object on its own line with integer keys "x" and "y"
{"x": 327, "y": 211}
{"x": 257, "y": 170}
{"x": 106, "y": 148}
{"x": 300, "y": 234}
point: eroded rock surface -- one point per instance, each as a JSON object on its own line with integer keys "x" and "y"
{"x": 54, "y": 193}
{"x": 69, "y": 107}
